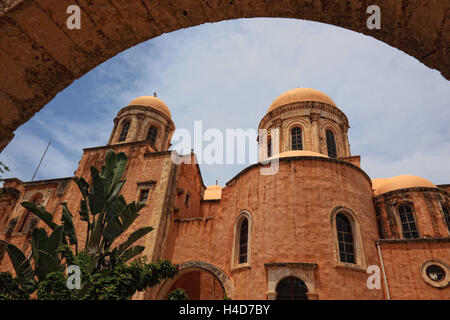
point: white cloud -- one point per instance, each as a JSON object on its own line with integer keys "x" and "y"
{"x": 227, "y": 74}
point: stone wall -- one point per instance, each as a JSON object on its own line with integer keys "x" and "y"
{"x": 40, "y": 56}
{"x": 291, "y": 214}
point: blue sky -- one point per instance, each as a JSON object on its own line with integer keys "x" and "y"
{"x": 227, "y": 74}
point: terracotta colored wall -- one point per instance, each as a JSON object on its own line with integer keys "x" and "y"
{"x": 402, "y": 263}
{"x": 426, "y": 204}
{"x": 51, "y": 191}
{"x": 141, "y": 167}
{"x": 291, "y": 223}
{"x": 200, "y": 286}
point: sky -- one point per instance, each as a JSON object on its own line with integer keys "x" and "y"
{"x": 227, "y": 74}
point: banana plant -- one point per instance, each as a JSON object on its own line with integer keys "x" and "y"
{"x": 44, "y": 254}
{"x": 106, "y": 214}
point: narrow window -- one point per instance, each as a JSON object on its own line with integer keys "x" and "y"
{"x": 28, "y": 214}
{"x": 144, "y": 195}
{"x": 296, "y": 138}
{"x": 124, "y": 132}
{"x": 151, "y": 135}
{"x": 186, "y": 201}
{"x": 243, "y": 241}
{"x": 291, "y": 288}
{"x": 408, "y": 223}
{"x": 345, "y": 239}
{"x": 447, "y": 217}
{"x": 269, "y": 147}
{"x": 331, "y": 144}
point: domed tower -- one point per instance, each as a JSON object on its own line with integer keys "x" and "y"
{"x": 308, "y": 120}
{"x": 145, "y": 118}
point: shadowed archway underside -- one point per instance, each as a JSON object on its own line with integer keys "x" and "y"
{"x": 40, "y": 56}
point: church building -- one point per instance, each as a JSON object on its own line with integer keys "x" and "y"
{"x": 317, "y": 229}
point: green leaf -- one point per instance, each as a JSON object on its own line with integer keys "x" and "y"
{"x": 83, "y": 186}
{"x": 131, "y": 239}
{"x": 131, "y": 253}
{"x": 84, "y": 213}
{"x": 38, "y": 238}
{"x": 119, "y": 217}
{"x": 47, "y": 264}
{"x": 97, "y": 198}
{"x": 69, "y": 228}
{"x": 119, "y": 169}
{"x": 54, "y": 241}
{"x": 45, "y": 251}
{"x": 21, "y": 265}
{"x": 115, "y": 191}
{"x": 41, "y": 213}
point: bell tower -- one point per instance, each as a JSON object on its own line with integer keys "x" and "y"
{"x": 305, "y": 120}
{"x": 146, "y": 118}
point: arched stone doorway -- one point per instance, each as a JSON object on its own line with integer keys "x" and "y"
{"x": 200, "y": 280}
{"x": 291, "y": 288}
{"x": 41, "y": 57}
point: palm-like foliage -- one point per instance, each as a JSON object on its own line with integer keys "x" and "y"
{"x": 107, "y": 216}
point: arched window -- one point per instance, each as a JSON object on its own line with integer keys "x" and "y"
{"x": 331, "y": 144}
{"x": 269, "y": 147}
{"x": 124, "y": 132}
{"x": 243, "y": 241}
{"x": 296, "y": 138}
{"x": 447, "y": 217}
{"x": 36, "y": 199}
{"x": 345, "y": 239}
{"x": 291, "y": 288}
{"x": 241, "y": 254}
{"x": 151, "y": 135}
{"x": 408, "y": 223}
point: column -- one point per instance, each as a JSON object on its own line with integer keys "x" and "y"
{"x": 111, "y": 137}
{"x": 314, "y": 118}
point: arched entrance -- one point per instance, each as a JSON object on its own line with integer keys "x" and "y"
{"x": 200, "y": 280}
{"x": 199, "y": 285}
{"x": 291, "y": 288}
{"x": 41, "y": 56}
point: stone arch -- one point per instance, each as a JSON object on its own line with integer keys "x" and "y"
{"x": 244, "y": 214}
{"x": 51, "y": 57}
{"x": 338, "y": 137}
{"x": 147, "y": 124}
{"x": 195, "y": 265}
{"x": 280, "y": 281}
{"x": 118, "y": 130}
{"x": 304, "y": 125}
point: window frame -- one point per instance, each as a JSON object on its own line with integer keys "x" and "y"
{"x": 358, "y": 243}
{"x": 343, "y": 244}
{"x": 399, "y": 220}
{"x": 141, "y": 191}
{"x": 446, "y": 213}
{"x": 269, "y": 150}
{"x": 152, "y": 141}
{"x": 235, "y": 260}
{"x": 328, "y": 130}
{"x": 120, "y": 138}
{"x": 291, "y": 277}
{"x": 297, "y": 136}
